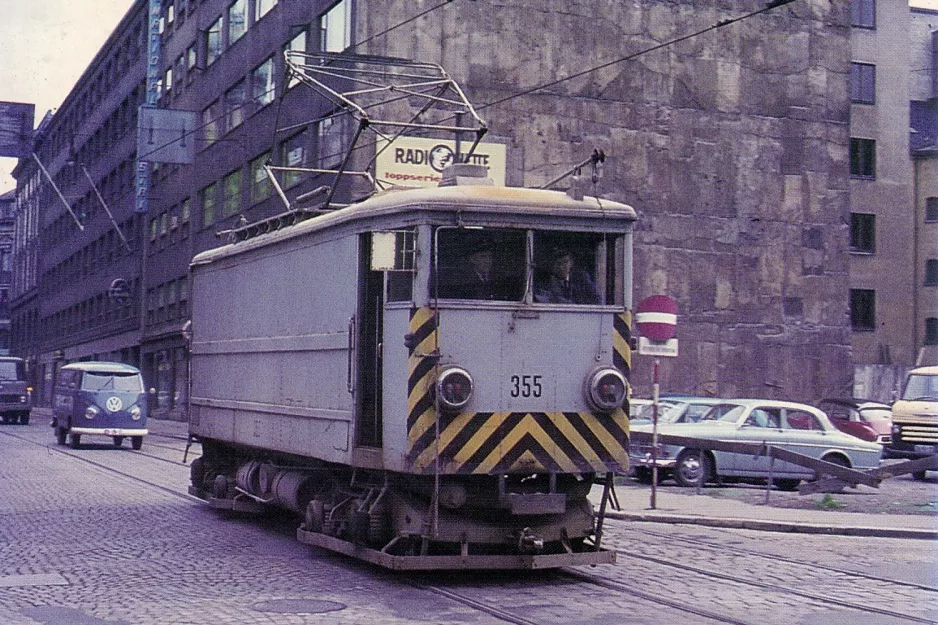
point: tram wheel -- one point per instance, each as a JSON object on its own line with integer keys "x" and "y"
{"x": 136, "y": 442}
{"x": 75, "y": 440}
{"x": 118, "y": 441}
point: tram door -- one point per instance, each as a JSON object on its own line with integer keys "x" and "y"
{"x": 369, "y": 363}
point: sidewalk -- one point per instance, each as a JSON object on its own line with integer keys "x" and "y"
{"x": 690, "y": 508}
{"x": 693, "y": 509}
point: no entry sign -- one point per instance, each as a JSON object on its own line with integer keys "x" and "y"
{"x": 656, "y": 318}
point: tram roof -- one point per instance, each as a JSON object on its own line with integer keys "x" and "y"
{"x": 521, "y": 203}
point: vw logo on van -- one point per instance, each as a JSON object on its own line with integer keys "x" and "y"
{"x": 113, "y": 404}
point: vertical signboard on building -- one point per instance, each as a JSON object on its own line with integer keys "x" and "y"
{"x": 16, "y": 129}
{"x": 154, "y": 51}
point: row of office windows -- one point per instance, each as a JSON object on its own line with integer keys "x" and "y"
{"x": 863, "y": 315}
{"x": 94, "y": 312}
{"x": 168, "y": 302}
{"x": 97, "y": 255}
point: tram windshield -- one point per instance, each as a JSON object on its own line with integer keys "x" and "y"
{"x": 542, "y": 267}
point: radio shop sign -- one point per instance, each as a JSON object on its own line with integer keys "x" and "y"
{"x": 419, "y": 162}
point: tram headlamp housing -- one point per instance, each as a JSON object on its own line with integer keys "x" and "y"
{"x": 453, "y": 387}
{"x": 606, "y": 389}
{"x": 91, "y": 412}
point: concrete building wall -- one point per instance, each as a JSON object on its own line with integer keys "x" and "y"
{"x": 732, "y": 146}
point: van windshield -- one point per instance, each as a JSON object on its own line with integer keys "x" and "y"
{"x": 124, "y": 382}
{"x": 921, "y": 387}
{"x": 12, "y": 370}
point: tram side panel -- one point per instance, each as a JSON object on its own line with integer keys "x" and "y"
{"x": 270, "y": 348}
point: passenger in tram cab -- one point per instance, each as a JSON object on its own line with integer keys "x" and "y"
{"x": 476, "y": 278}
{"x": 565, "y": 283}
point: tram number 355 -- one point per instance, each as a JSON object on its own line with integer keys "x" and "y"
{"x": 525, "y": 386}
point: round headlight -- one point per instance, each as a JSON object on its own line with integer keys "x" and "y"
{"x": 454, "y": 387}
{"x": 91, "y": 412}
{"x": 135, "y": 412}
{"x": 606, "y": 389}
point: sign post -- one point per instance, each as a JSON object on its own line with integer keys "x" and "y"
{"x": 656, "y": 318}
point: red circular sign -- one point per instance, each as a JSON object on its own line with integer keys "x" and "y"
{"x": 656, "y": 317}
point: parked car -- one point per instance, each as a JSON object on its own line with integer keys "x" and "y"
{"x": 686, "y": 410}
{"x": 796, "y": 427}
{"x": 15, "y": 393}
{"x": 869, "y": 420}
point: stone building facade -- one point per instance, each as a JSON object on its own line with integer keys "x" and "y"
{"x": 732, "y": 145}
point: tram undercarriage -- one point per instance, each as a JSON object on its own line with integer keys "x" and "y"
{"x": 390, "y": 519}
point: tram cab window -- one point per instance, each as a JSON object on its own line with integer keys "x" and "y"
{"x": 575, "y": 268}
{"x": 481, "y": 264}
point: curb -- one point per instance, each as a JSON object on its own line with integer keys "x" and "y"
{"x": 790, "y": 527}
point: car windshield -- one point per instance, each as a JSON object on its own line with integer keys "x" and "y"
{"x": 665, "y": 408}
{"x": 12, "y": 370}
{"x": 125, "y": 382}
{"x": 876, "y": 413}
{"x": 733, "y": 415}
{"x": 921, "y": 386}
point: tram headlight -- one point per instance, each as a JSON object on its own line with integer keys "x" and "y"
{"x": 135, "y": 413}
{"x": 454, "y": 387}
{"x": 91, "y": 412}
{"x": 606, "y": 389}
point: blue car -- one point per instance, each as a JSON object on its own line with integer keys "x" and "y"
{"x": 99, "y": 399}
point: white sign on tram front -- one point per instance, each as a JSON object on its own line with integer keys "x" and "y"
{"x": 419, "y": 162}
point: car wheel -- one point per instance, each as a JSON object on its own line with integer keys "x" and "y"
{"x": 24, "y": 418}
{"x": 118, "y": 441}
{"x": 75, "y": 441}
{"x": 919, "y": 476}
{"x": 838, "y": 460}
{"x": 136, "y": 442}
{"x": 788, "y": 485}
{"x": 690, "y": 465}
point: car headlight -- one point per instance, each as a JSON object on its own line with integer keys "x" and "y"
{"x": 896, "y": 428}
{"x": 91, "y": 412}
{"x": 454, "y": 387}
{"x": 135, "y": 413}
{"x": 606, "y": 389}
{"x": 23, "y": 399}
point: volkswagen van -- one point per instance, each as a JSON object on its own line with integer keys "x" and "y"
{"x": 99, "y": 399}
{"x": 15, "y": 394}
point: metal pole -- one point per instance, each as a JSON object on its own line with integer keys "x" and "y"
{"x": 106, "y": 208}
{"x": 654, "y": 436}
{"x": 59, "y": 193}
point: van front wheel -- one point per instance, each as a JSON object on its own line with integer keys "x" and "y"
{"x": 76, "y": 441}
{"x": 118, "y": 441}
{"x": 136, "y": 442}
{"x": 60, "y": 435}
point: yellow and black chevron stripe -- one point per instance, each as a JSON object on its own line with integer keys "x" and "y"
{"x": 519, "y": 442}
{"x": 622, "y": 342}
{"x": 421, "y": 366}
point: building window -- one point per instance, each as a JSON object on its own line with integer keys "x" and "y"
{"x": 336, "y": 25}
{"x": 263, "y": 88}
{"x": 863, "y": 13}
{"x": 332, "y": 141}
{"x": 260, "y": 183}
{"x": 234, "y": 106}
{"x": 208, "y": 200}
{"x": 931, "y": 209}
{"x": 931, "y": 272}
{"x": 863, "y": 158}
{"x": 213, "y": 42}
{"x": 237, "y": 20}
{"x": 262, "y": 8}
{"x": 210, "y": 122}
{"x": 297, "y": 44}
{"x": 931, "y": 331}
{"x": 168, "y": 81}
{"x": 862, "y": 83}
{"x": 862, "y": 233}
{"x": 863, "y": 310}
{"x": 232, "y": 190}
{"x": 190, "y": 58}
{"x": 293, "y": 154}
